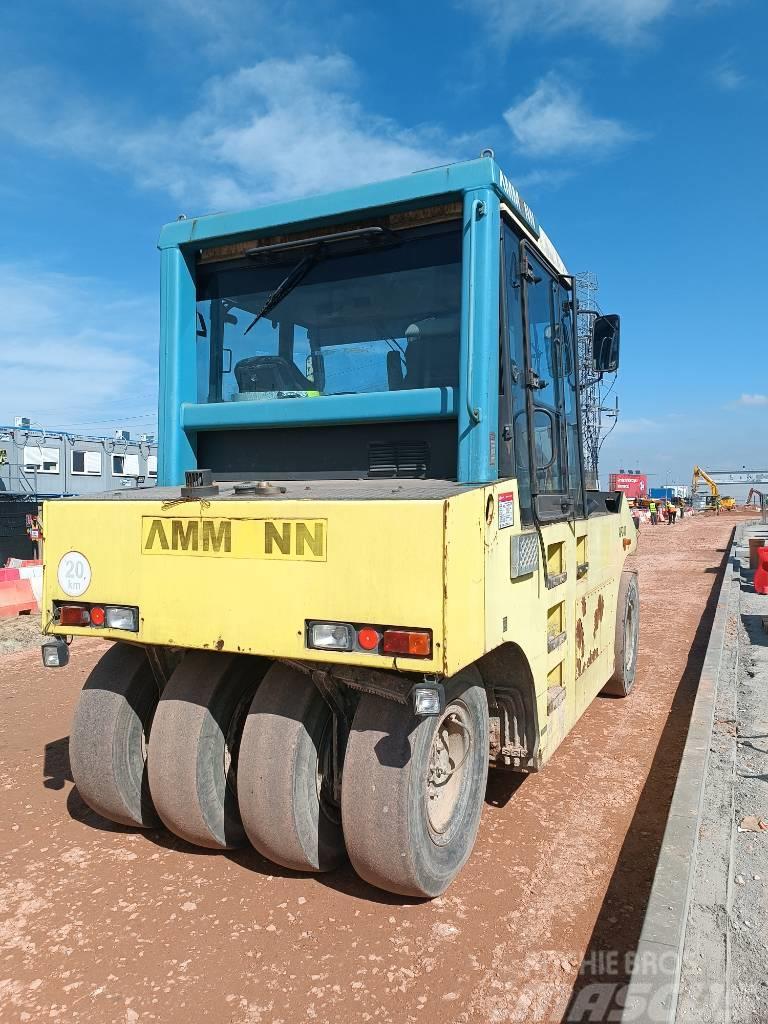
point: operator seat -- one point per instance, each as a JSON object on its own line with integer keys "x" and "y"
{"x": 269, "y": 373}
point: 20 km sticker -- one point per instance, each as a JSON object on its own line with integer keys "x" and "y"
{"x": 74, "y": 573}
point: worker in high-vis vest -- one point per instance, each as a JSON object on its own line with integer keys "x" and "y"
{"x": 654, "y": 514}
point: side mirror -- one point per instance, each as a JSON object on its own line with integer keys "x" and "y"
{"x": 605, "y": 343}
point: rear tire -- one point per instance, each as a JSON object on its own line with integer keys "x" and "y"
{"x": 193, "y": 747}
{"x": 108, "y": 741}
{"x": 282, "y": 774}
{"x": 626, "y": 638}
{"x": 413, "y": 788}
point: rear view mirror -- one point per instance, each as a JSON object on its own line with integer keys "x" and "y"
{"x": 395, "y": 378}
{"x": 605, "y": 343}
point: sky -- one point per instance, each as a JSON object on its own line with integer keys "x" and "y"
{"x": 636, "y": 129}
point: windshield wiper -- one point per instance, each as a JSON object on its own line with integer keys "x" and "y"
{"x": 287, "y": 285}
{"x": 370, "y": 234}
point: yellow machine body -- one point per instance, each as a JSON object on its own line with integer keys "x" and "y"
{"x": 248, "y": 575}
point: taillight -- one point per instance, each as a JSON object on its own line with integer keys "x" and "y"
{"x": 74, "y": 615}
{"x": 98, "y": 616}
{"x": 366, "y": 639}
{"x": 415, "y": 642}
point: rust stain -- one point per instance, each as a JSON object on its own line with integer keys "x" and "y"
{"x": 599, "y": 610}
{"x": 219, "y": 644}
{"x": 583, "y": 606}
{"x": 580, "y": 636}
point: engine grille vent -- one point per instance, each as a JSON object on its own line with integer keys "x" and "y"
{"x": 403, "y": 459}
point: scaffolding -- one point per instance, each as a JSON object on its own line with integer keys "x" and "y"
{"x": 595, "y": 387}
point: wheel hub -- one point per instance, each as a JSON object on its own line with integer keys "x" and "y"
{"x": 630, "y": 635}
{"x": 447, "y": 772}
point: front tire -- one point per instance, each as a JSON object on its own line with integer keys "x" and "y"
{"x": 110, "y": 731}
{"x": 413, "y": 788}
{"x": 626, "y": 637}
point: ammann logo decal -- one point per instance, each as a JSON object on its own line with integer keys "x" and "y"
{"x": 297, "y": 539}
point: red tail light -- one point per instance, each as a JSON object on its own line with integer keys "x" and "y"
{"x": 415, "y": 642}
{"x": 74, "y": 615}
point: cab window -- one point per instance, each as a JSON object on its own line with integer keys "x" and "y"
{"x": 546, "y": 383}
{"x": 514, "y": 451}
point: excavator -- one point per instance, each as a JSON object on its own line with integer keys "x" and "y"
{"x": 714, "y": 498}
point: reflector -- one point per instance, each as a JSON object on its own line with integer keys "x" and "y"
{"x": 368, "y": 638}
{"x": 97, "y": 616}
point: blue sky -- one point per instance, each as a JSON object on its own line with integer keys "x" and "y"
{"x": 636, "y": 129}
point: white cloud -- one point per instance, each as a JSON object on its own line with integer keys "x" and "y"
{"x": 229, "y": 28}
{"x": 618, "y": 21}
{"x": 553, "y": 119}
{"x": 74, "y": 351}
{"x": 639, "y": 425}
{"x": 753, "y": 400}
{"x": 276, "y": 129}
{"x": 726, "y": 75}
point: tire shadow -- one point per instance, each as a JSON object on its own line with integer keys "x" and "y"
{"x": 616, "y": 933}
{"x": 343, "y": 880}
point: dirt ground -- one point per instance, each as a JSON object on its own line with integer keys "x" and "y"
{"x": 19, "y": 632}
{"x": 105, "y": 924}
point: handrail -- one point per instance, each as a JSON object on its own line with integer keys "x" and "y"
{"x": 327, "y": 410}
{"x": 478, "y": 211}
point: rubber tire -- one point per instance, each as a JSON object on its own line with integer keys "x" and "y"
{"x": 277, "y": 783}
{"x": 107, "y": 744}
{"x": 383, "y": 793}
{"x": 623, "y": 679}
{"x": 192, "y": 792}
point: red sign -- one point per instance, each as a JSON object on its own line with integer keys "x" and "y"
{"x": 634, "y": 485}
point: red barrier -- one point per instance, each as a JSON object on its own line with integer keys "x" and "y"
{"x": 761, "y": 573}
{"x": 9, "y": 574}
{"x": 16, "y": 598}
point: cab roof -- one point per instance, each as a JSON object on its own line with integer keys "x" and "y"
{"x": 406, "y": 192}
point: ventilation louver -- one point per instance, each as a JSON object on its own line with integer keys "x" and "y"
{"x": 403, "y": 459}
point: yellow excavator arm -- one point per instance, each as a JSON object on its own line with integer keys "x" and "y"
{"x": 700, "y": 474}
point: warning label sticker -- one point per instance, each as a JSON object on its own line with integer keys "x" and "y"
{"x": 506, "y": 509}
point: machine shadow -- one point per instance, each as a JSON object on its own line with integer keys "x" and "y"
{"x": 502, "y": 786}
{"x": 616, "y": 933}
{"x": 343, "y": 880}
{"x": 56, "y": 767}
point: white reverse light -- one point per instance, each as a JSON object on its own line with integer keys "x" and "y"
{"x": 331, "y": 636}
{"x": 118, "y": 617}
{"x": 428, "y": 700}
{"x": 55, "y": 653}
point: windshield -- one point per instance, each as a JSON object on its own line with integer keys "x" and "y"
{"x": 382, "y": 318}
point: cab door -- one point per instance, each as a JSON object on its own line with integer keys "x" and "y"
{"x": 552, "y": 380}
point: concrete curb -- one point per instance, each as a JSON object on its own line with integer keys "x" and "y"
{"x": 655, "y": 979}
